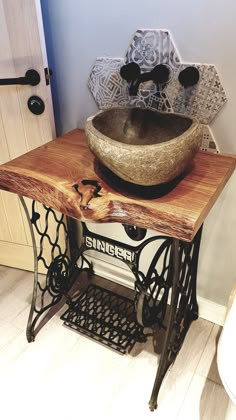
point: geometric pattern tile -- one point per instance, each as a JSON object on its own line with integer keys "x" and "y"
{"x": 151, "y": 47}
{"x": 148, "y": 48}
{"x": 106, "y": 84}
{"x": 155, "y": 100}
{"x": 208, "y": 141}
{"x": 203, "y": 100}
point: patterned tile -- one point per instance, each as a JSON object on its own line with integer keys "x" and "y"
{"x": 151, "y": 47}
{"x": 208, "y": 141}
{"x": 106, "y": 84}
{"x": 203, "y": 100}
{"x": 155, "y": 100}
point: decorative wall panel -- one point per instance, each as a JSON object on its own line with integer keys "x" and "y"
{"x": 148, "y": 48}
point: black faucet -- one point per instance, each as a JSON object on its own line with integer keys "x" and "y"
{"x": 132, "y": 74}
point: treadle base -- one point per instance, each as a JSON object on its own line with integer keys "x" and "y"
{"x": 106, "y": 317}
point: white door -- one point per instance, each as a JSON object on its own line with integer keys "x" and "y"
{"x": 22, "y": 47}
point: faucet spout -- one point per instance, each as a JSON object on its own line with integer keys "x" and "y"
{"x": 132, "y": 74}
{"x": 134, "y": 86}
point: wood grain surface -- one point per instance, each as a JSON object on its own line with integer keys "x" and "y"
{"x": 64, "y": 175}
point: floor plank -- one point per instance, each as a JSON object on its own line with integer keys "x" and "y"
{"x": 208, "y": 364}
{"x": 63, "y": 375}
{"x": 181, "y": 373}
{"x": 7, "y": 333}
{"x": 205, "y": 400}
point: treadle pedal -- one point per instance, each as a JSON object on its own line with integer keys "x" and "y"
{"x": 105, "y": 317}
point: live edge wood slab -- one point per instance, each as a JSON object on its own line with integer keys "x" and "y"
{"x": 64, "y": 175}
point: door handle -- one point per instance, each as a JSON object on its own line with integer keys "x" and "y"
{"x": 31, "y": 77}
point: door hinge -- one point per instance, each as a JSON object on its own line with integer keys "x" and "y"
{"x": 48, "y": 73}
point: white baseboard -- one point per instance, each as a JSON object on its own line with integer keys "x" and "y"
{"x": 209, "y": 310}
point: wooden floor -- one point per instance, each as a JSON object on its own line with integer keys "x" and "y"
{"x": 63, "y": 375}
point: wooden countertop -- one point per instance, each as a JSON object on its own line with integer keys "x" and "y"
{"x": 64, "y": 175}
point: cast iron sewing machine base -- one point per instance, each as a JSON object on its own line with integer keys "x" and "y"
{"x": 105, "y": 316}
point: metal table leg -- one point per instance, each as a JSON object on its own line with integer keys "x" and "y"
{"x": 176, "y": 277}
{"x": 183, "y": 307}
{"x": 165, "y": 359}
{"x": 66, "y": 262}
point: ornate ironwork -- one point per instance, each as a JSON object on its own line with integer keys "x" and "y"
{"x": 183, "y": 306}
{"x": 170, "y": 279}
{"x": 152, "y": 289}
{"x": 62, "y": 267}
{"x": 106, "y": 317}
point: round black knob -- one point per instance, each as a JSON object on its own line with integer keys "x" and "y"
{"x": 189, "y": 76}
{"x": 130, "y": 71}
{"x": 161, "y": 74}
{"x": 33, "y": 77}
{"x": 36, "y": 105}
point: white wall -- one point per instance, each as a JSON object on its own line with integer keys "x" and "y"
{"x": 204, "y": 31}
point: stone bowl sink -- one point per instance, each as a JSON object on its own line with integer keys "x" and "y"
{"x": 143, "y": 146}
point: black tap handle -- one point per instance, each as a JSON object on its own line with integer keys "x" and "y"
{"x": 130, "y": 72}
{"x": 189, "y": 76}
{"x": 160, "y": 74}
